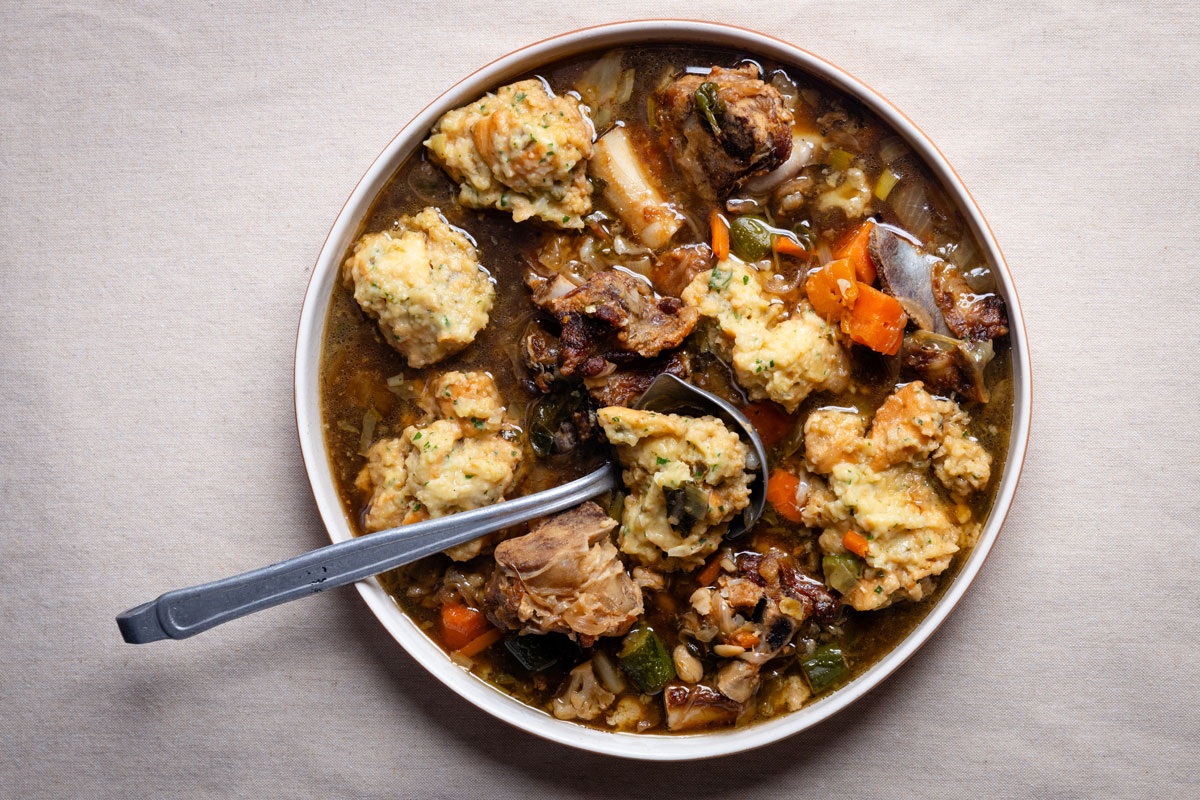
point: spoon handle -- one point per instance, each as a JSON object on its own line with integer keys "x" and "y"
{"x": 185, "y": 612}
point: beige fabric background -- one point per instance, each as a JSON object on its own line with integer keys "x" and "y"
{"x": 168, "y": 173}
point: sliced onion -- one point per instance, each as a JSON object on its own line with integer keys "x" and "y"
{"x": 599, "y": 86}
{"x": 892, "y": 149}
{"x": 803, "y": 146}
{"x": 779, "y": 284}
{"x": 625, "y": 88}
{"x": 428, "y": 185}
{"x": 642, "y": 266}
{"x": 607, "y": 672}
{"x": 963, "y": 253}
{"x": 912, "y": 208}
{"x": 624, "y": 246}
{"x": 743, "y": 205}
{"x": 370, "y": 419}
{"x": 981, "y": 279}
{"x": 786, "y": 87}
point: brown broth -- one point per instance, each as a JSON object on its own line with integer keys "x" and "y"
{"x": 356, "y": 364}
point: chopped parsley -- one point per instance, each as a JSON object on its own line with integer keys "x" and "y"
{"x": 719, "y": 279}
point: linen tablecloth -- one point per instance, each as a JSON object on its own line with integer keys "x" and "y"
{"x": 168, "y": 172}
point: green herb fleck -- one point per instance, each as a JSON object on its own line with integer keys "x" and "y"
{"x": 710, "y": 106}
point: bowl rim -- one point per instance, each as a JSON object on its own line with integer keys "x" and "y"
{"x": 309, "y": 427}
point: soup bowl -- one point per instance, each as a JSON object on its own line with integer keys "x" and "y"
{"x": 662, "y": 747}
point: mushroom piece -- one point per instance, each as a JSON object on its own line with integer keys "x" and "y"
{"x": 948, "y": 365}
{"x": 738, "y": 680}
{"x": 904, "y": 273}
{"x": 698, "y": 706}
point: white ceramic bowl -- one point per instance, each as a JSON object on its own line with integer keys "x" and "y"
{"x": 312, "y": 442}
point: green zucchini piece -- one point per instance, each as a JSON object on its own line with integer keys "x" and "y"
{"x": 825, "y": 668}
{"x": 536, "y": 653}
{"x": 644, "y": 658}
{"x": 750, "y": 238}
{"x": 685, "y": 506}
{"x": 842, "y": 571}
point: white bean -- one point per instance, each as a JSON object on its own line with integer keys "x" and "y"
{"x": 687, "y": 666}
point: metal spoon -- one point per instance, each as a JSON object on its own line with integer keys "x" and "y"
{"x": 186, "y": 612}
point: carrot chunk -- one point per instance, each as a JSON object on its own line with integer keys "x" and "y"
{"x": 856, "y": 543}
{"x": 786, "y": 246}
{"x": 876, "y": 321}
{"x": 853, "y": 248}
{"x": 832, "y": 289}
{"x": 481, "y": 643}
{"x": 769, "y": 420}
{"x": 720, "y": 235}
{"x": 782, "y": 488}
{"x": 711, "y": 570}
{"x": 461, "y": 625}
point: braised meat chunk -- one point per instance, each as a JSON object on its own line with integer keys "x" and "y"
{"x": 948, "y": 365}
{"x": 971, "y": 316}
{"x": 564, "y": 577}
{"x": 754, "y": 612}
{"x": 724, "y": 127}
{"x": 693, "y": 707}
{"x": 676, "y": 268}
{"x": 611, "y": 312}
{"x": 624, "y": 385}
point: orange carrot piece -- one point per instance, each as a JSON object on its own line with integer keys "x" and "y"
{"x": 711, "y": 570}
{"x": 720, "y": 235}
{"x": 746, "y": 639}
{"x": 787, "y": 246}
{"x": 853, "y": 247}
{"x": 461, "y": 625}
{"x": 782, "y": 487}
{"x": 856, "y": 543}
{"x": 876, "y": 321}
{"x": 832, "y": 289}
{"x": 481, "y": 643}
{"x": 769, "y": 420}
